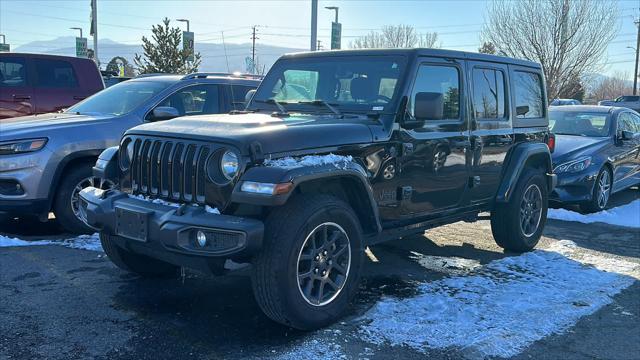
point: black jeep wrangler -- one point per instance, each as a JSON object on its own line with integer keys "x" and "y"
{"x": 335, "y": 151}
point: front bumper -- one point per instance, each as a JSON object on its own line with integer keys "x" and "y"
{"x": 574, "y": 187}
{"x": 169, "y": 233}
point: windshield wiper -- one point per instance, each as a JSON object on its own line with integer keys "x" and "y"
{"x": 322, "y": 102}
{"x": 272, "y": 101}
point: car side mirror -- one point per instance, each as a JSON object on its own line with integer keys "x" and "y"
{"x": 248, "y": 96}
{"x": 522, "y": 110}
{"x": 626, "y": 135}
{"x": 164, "y": 113}
{"x": 426, "y": 106}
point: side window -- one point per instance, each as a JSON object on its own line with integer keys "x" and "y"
{"x": 528, "y": 92}
{"x": 298, "y": 85}
{"x": 239, "y": 93}
{"x": 636, "y": 121}
{"x": 55, "y": 74}
{"x": 195, "y": 100}
{"x": 626, "y": 122}
{"x": 488, "y": 94}
{"x": 440, "y": 86}
{"x": 13, "y": 72}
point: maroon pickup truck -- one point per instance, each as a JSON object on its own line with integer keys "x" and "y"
{"x": 36, "y": 84}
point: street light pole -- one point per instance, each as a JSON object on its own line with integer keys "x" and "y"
{"x": 635, "y": 72}
{"x": 77, "y": 28}
{"x": 333, "y": 8}
{"x": 184, "y": 20}
{"x": 314, "y": 24}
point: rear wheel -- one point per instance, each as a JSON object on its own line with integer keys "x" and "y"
{"x": 517, "y": 225}
{"x": 309, "y": 268}
{"x": 136, "y": 263}
{"x": 601, "y": 193}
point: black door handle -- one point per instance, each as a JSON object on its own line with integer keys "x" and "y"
{"x": 21, "y": 97}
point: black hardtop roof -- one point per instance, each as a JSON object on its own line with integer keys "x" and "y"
{"x": 417, "y": 52}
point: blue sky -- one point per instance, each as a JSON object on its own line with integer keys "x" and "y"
{"x": 284, "y": 23}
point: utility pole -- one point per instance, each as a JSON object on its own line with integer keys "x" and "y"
{"x": 94, "y": 30}
{"x": 314, "y": 24}
{"x": 253, "y": 48}
{"x": 635, "y": 72}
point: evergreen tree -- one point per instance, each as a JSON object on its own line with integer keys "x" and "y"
{"x": 163, "y": 53}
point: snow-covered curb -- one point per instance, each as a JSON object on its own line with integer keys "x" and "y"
{"x": 626, "y": 215}
{"x": 289, "y": 162}
{"x": 503, "y": 307}
{"x": 86, "y": 242}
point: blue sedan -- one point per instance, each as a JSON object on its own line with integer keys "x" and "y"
{"x": 597, "y": 153}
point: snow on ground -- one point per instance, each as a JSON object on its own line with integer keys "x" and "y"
{"x": 625, "y": 215}
{"x": 86, "y": 242}
{"x": 501, "y": 308}
{"x": 310, "y": 160}
{"x": 446, "y": 264}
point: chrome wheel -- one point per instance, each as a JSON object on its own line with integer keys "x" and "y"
{"x": 389, "y": 172}
{"x": 83, "y": 184}
{"x": 604, "y": 189}
{"x": 530, "y": 210}
{"x": 323, "y": 264}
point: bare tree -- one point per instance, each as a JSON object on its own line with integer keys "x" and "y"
{"x": 395, "y": 36}
{"x": 487, "y": 48}
{"x": 568, "y": 37}
{"x": 609, "y": 88}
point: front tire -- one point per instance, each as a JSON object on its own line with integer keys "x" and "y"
{"x": 136, "y": 263}
{"x": 517, "y": 225}
{"x": 309, "y": 269}
{"x": 601, "y": 193}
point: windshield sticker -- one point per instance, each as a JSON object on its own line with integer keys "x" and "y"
{"x": 377, "y": 108}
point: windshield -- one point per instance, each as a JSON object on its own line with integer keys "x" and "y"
{"x": 349, "y": 83}
{"x": 119, "y": 99}
{"x": 579, "y": 123}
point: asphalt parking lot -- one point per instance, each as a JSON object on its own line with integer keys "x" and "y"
{"x": 449, "y": 294}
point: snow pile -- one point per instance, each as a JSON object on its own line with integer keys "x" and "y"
{"x": 289, "y": 162}
{"x": 503, "y": 307}
{"x": 626, "y": 215}
{"x": 207, "y": 208}
{"x": 446, "y": 264}
{"x": 85, "y": 242}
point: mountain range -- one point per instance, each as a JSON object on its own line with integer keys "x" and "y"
{"x": 213, "y": 55}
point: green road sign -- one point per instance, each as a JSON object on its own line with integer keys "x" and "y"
{"x": 5, "y": 48}
{"x": 81, "y": 47}
{"x": 187, "y": 44}
{"x": 336, "y": 35}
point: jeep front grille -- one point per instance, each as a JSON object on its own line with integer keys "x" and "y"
{"x": 167, "y": 169}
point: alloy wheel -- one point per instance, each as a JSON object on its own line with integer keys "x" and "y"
{"x": 530, "y": 210}
{"x": 604, "y": 187}
{"x": 323, "y": 264}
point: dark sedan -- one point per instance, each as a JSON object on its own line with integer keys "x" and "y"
{"x": 597, "y": 153}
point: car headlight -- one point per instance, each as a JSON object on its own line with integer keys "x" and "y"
{"x": 573, "y": 166}
{"x": 229, "y": 164}
{"x": 126, "y": 156}
{"x": 22, "y": 146}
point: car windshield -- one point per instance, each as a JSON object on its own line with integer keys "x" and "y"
{"x": 346, "y": 83}
{"x": 119, "y": 99}
{"x": 579, "y": 123}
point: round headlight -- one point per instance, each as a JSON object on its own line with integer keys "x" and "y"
{"x": 229, "y": 164}
{"x": 127, "y": 155}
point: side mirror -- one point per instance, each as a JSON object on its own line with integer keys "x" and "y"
{"x": 248, "y": 96}
{"x": 428, "y": 106}
{"x": 626, "y": 135}
{"x": 522, "y": 110}
{"x": 164, "y": 113}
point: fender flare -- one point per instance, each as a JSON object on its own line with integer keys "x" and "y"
{"x": 63, "y": 164}
{"x": 517, "y": 162}
{"x": 300, "y": 175}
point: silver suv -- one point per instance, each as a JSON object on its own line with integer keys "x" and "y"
{"x": 46, "y": 160}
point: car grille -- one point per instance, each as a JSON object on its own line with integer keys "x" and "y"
{"x": 171, "y": 170}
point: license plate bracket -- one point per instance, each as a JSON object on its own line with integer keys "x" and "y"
{"x": 132, "y": 224}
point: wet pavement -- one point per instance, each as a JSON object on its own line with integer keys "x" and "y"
{"x": 61, "y": 303}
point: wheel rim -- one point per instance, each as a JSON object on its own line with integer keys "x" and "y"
{"x": 530, "y": 210}
{"x": 83, "y": 184}
{"x": 604, "y": 185}
{"x": 389, "y": 172}
{"x": 323, "y": 264}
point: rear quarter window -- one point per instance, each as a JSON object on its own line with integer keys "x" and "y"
{"x": 13, "y": 72}
{"x": 55, "y": 74}
{"x": 529, "y": 99}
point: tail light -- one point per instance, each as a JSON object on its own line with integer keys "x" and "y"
{"x": 551, "y": 142}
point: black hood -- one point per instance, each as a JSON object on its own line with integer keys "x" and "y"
{"x": 275, "y": 134}
{"x": 569, "y": 147}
